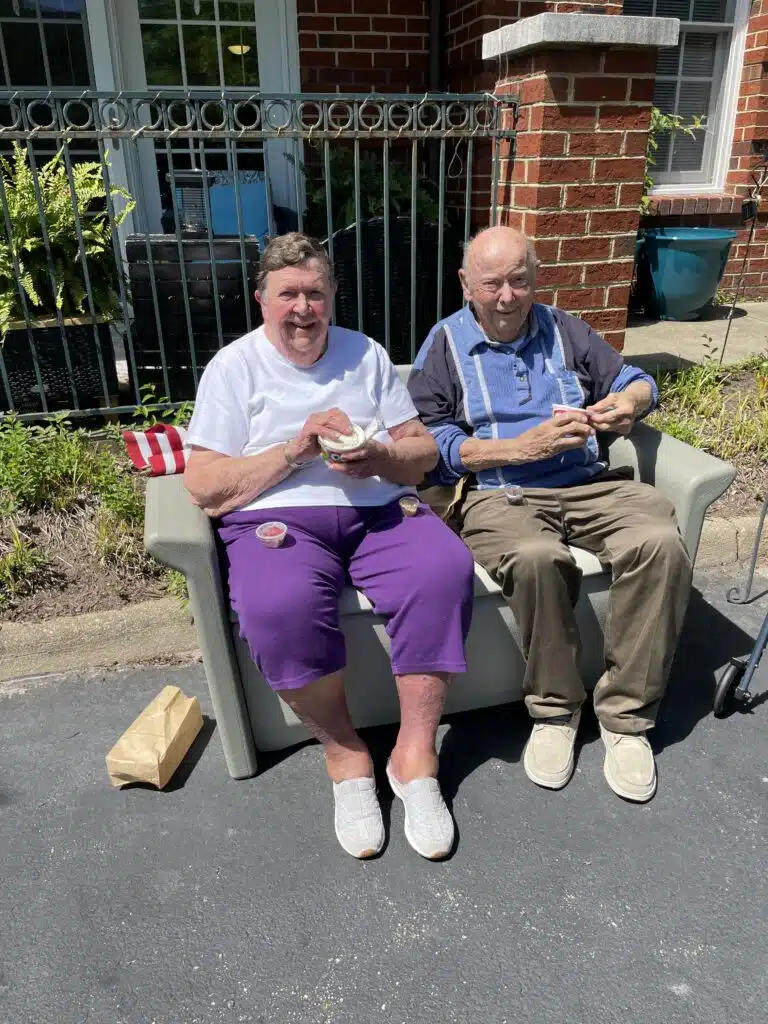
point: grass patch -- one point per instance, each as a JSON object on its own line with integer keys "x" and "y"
{"x": 722, "y": 410}
{"x": 80, "y": 498}
{"x": 22, "y": 566}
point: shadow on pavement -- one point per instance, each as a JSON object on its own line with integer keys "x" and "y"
{"x": 475, "y": 737}
{"x": 708, "y": 641}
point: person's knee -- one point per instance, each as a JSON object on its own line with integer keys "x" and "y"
{"x": 447, "y": 569}
{"x": 267, "y": 612}
{"x": 537, "y": 555}
{"x": 661, "y": 543}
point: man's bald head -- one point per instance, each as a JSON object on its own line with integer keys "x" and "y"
{"x": 498, "y": 275}
{"x": 490, "y": 242}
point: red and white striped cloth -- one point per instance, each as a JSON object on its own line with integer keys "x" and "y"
{"x": 158, "y": 451}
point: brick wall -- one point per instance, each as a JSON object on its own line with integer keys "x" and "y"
{"x": 466, "y": 21}
{"x": 363, "y": 45}
{"x": 576, "y": 180}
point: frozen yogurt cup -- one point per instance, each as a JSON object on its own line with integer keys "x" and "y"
{"x": 345, "y": 443}
{"x": 272, "y": 534}
{"x": 409, "y": 504}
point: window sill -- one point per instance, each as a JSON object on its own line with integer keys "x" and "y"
{"x": 664, "y": 206}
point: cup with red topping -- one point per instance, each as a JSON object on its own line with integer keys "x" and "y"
{"x": 272, "y": 534}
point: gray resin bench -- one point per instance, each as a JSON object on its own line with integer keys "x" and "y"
{"x": 251, "y": 717}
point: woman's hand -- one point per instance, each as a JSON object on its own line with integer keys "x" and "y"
{"x": 369, "y": 460}
{"x": 333, "y": 423}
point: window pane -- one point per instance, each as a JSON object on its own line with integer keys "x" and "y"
{"x": 664, "y": 97}
{"x": 712, "y": 10}
{"x": 62, "y": 8}
{"x": 67, "y": 59}
{"x": 157, "y": 8}
{"x": 237, "y": 10}
{"x": 668, "y": 61}
{"x": 241, "y": 63}
{"x": 699, "y": 53}
{"x": 661, "y": 157}
{"x": 161, "y": 54}
{"x": 693, "y": 100}
{"x": 25, "y": 53}
{"x": 687, "y": 153}
{"x": 673, "y": 9}
{"x": 200, "y": 55}
{"x": 198, "y": 9}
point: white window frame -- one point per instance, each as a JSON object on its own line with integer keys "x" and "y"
{"x": 118, "y": 63}
{"x": 722, "y": 122}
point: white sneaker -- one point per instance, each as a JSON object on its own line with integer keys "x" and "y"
{"x": 548, "y": 757}
{"x": 359, "y": 825}
{"x": 629, "y": 767}
{"x": 428, "y": 822}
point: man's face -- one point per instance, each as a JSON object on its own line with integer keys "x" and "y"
{"x": 500, "y": 285}
{"x": 296, "y": 304}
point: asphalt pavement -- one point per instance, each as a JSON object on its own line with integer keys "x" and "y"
{"x": 222, "y": 901}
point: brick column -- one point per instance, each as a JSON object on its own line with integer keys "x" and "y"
{"x": 575, "y": 184}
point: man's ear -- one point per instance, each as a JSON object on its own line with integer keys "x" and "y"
{"x": 464, "y": 285}
{"x": 259, "y": 297}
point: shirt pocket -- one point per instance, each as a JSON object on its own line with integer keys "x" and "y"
{"x": 569, "y": 388}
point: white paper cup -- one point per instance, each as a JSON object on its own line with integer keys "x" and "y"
{"x": 559, "y": 410}
{"x": 344, "y": 444}
{"x": 272, "y": 534}
{"x": 409, "y": 504}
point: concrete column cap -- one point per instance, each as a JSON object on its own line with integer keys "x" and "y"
{"x": 553, "y": 31}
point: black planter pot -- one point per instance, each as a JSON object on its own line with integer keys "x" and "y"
{"x": 372, "y": 274}
{"x": 56, "y": 382}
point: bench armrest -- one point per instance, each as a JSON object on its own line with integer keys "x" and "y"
{"x": 689, "y": 477}
{"x": 179, "y": 534}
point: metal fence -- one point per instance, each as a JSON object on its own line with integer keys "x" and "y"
{"x": 143, "y": 214}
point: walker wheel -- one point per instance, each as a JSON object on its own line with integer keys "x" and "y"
{"x": 726, "y": 684}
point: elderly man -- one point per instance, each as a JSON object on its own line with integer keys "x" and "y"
{"x": 263, "y": 403}
{"x": 487, "y": 382}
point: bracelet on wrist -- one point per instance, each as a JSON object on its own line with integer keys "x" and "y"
{"x": 292, "y": 464}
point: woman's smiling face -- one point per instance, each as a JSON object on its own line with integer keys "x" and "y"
{"x": 296, "y": 304}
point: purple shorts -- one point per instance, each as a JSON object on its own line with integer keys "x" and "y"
{"x": 413, "y": 569}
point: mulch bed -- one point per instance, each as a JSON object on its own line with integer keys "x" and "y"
{"x": 76, "y": 580}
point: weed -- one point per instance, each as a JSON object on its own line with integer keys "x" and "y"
{"x": 21, "y": 566}
{"x": 176, "y": 585}
{"x": 723, "y": 410}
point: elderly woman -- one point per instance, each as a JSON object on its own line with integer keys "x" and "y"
{"x": 263, "y": 403}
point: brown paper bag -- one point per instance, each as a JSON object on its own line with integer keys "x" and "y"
{"x": 153, "y": 747}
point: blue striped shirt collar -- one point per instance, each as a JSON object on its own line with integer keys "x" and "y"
{"x": 476, "y": 335}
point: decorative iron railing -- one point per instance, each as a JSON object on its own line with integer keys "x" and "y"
{"x": 394, "y": 185}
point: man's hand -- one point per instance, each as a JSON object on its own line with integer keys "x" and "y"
{"x": 332, "y": 423}
{"x": 370, "y": 460}
{"x": 562, "y": 433}
{"x": 616, "y": 412}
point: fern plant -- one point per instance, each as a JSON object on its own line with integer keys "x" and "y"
{"x": 58, "y": 205}
{"x": 664, "y": 124}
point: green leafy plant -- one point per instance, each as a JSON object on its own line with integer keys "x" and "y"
{"x": 58, "y": 206}
{"x": 155, "y": 409}
{"x": 59, "y": 469}
{"x": 21, "y": 566}
{"x": 664, "y": 124}
{"x": 342, "y": 189}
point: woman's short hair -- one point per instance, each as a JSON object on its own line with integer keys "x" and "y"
{"x": 291, "y": 250}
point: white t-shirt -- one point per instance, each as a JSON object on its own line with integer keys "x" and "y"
{"x": 251, "y": 398}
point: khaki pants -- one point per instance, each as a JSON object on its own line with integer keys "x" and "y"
{"x": 631, "y": 528}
